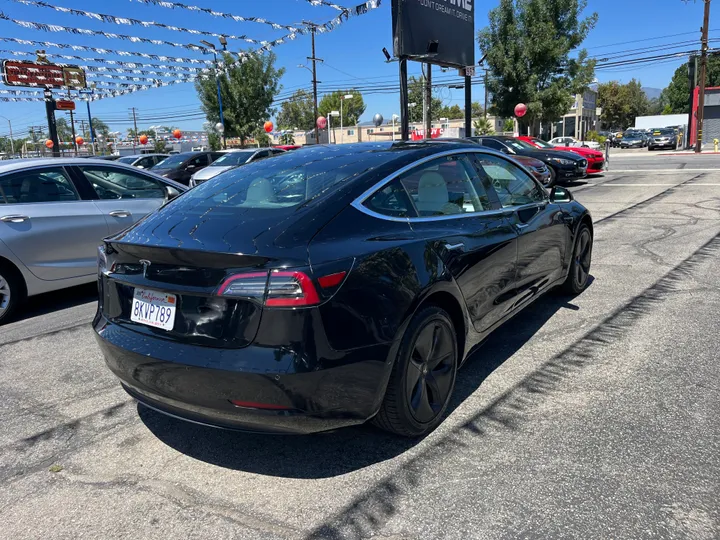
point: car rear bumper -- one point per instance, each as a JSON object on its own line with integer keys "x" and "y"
{"x": 199, "y": 384}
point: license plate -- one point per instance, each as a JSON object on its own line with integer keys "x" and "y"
{"x": 154, "y": 308}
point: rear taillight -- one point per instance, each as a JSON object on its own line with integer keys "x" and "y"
{"x": 279, "y": 288}
{"x": 289, "y": 289}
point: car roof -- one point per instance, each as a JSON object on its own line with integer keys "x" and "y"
{"x": 141, "y": 155}
{"x": 21, "y": 164}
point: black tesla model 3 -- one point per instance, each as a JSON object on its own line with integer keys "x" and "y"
{"x": 332, "y": 285}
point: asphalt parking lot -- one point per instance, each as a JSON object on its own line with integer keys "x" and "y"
{"x": 587, "y": 417}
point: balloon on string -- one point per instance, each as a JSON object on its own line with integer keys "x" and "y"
{"x": 49, "y": 143}
{"x": 520, "y": 110}
{"x": 79, "y": 140}
{"x": 321, "y": 122}
{"x": 268, "y": 126}
{"x": 177, "y": 134}
{"x": 143, "y": 139}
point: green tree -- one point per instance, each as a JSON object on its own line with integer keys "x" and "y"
{"x": 416, "y": 89}
{"x": 451, "y": 113}
{"x": 261, "y": 138}
{"x": 214, "y": 140}
{"x": 483, "y": 126}
{"x": 621, "y": 103}
{"x": 287, "y": 138}
{"x": 64, "y": 132}
{"x": 248, "y": 89}
{"x": 160, "y": 147}
{"x": 297, "y": 112}
{"x": 528, "y": 45}
{"x": 677, "y": 92}
{"x": 352, "y": 108}
{"x": 100, "y": 127}
{"x": 509, "y": 125}
{"x": 6, "y": 147}
{"x": 476, "y": 110}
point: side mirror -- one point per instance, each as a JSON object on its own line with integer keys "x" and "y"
{"x": 505, "y": 150}
{"x": 140, "y": 166}
{"x": 561, "y": 195}
{"x": 171, "y": 192}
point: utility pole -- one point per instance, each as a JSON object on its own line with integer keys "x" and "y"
{"x": 703, "y": 72}
{"x": 12, "y": 144}
{"x": 135, "y": 124}
{"x": 404, "y": 107}
{"x": 72, "y": 126}
{"x": 314, "y": 81}
{"x": 427, "y": 102}
{"x": 486, "y": 94}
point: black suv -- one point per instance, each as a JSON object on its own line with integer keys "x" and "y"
{"x": 563, "y": 165}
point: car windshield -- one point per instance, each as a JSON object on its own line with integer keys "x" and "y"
{"x": 172, "y": 161}
{"x": 127, "y": 159}
{"x": 232, "y": 158}
{"x": 286, "y": 181}
{"x": 665, "y": 132}
{"x": 542, "y": 144}
{"x": 518, "y": 144}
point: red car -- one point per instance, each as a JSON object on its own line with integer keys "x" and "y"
{"x": 287, "y": 147}
{"x": 595, "y": 159}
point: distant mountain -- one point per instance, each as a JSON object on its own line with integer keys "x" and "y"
{"x": 652, "y": 93}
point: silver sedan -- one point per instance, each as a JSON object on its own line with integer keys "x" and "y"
{"x": 55, "y": 212}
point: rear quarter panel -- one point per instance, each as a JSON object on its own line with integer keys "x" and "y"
{"x": 393, "y": 273}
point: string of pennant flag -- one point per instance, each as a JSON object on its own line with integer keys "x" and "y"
{"x": 147, "y": 24}
{"x": 132, "y": 65}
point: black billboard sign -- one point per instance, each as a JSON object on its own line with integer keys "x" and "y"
{"x": 435, "y": 31}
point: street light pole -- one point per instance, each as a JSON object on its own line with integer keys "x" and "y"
{"x": 223, "y": 42}
{"x": 12, "y": 144}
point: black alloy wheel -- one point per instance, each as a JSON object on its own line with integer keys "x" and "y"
{"x": 579, "y": 272}
{"x": 423, "y": 376}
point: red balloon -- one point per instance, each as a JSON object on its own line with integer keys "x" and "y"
{"x": 520, "y": 110}
{"x": 322, "y": 122}
{"x": 268, "y": 126}
{"x": 177, "y": 134}
{"x": 79, "y": 140}
{"x": 143, "y": 139}
{"x": 49, "y": 143}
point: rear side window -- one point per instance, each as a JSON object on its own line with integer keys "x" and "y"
{"x": 38, "y": 186}
{"x": 392, "y": 200}
{"x": 445, "y": 186}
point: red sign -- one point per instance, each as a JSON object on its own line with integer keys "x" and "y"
{"x": 65, "y": 105}
{"x": 419, "y": 134}
{"x": 19, "y": 73}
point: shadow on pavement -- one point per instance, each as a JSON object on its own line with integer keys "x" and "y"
{"x": 335, "y": 453}
{"x": 43, "y": 304}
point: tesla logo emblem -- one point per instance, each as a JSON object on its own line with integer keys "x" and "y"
{"x": 145, "y": 263}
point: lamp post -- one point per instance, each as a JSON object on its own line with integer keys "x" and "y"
{"x": 330, "y": 115}
{"x": 223, "y": 42}
{"x": 12, "y": 144}
{"x": 343, "y": 98}
{"x": 394, "y": 117}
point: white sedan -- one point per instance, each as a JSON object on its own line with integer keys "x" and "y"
{"x": 570, "y": 141}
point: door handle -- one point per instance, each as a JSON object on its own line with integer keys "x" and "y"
{"x": 455, "y": 247}
{"x": 120, "y": 213}
{"x": 16, "y": 218}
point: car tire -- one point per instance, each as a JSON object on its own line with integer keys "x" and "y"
{"x": 12, "y": 291}
{"x": 553, "y": 178}
{"x": 423, "y": 376}
{"x": 579, "y": 271}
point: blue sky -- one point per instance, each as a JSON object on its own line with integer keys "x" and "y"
{"x": 352, "y": 52}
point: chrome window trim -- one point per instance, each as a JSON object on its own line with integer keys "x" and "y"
{"x": 358, "y": 203}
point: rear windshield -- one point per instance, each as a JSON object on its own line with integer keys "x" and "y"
{"x": 232, "y": 158}
{"x": 288, "y": 180}
{"x": 172, "y": 161}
